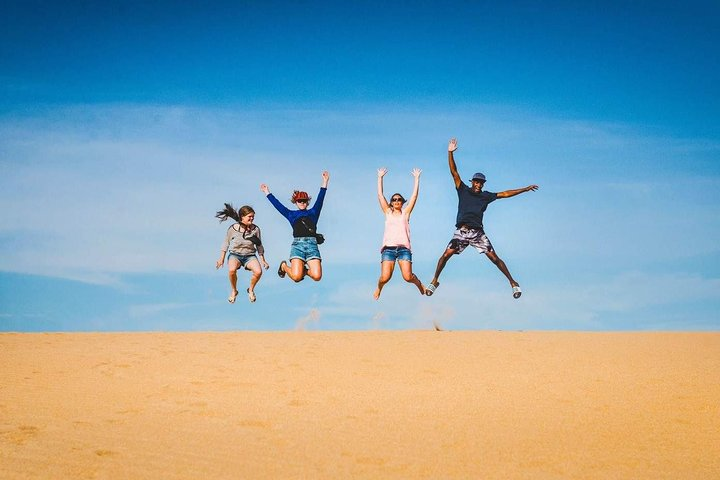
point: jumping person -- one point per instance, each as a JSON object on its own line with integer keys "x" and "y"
{"x": 472, "y": 202}
{"x": 304, "y": 253}
{"x": 396, "y": 239}
{"x": 242, "y": 240}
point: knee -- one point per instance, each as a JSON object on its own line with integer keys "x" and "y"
{"x": 384, "y": 278}
{"x": 408, "y": 277}
{"x": 315, "y": 276}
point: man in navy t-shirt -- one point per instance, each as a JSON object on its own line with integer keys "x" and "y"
{"x": 472, "y": 203}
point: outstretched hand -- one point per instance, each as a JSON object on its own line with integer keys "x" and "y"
{"x": 381, "y": 172}
{"x": 416, "y": 172}
{"x": 325, "y": 177}
{"x": 264, "y": 188}
{"x": 531, "y": 187}
{"x": 452, "y": 145}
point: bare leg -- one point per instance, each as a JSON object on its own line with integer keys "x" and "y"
{"x": 233, "y": 266}
{"x": 449, "y": 252}
{"x": 409, "y": 276}
{"x": 386, "y": 271}
{"x": 256, "y": 270}
{"x": 314, "y": 269}
{"x": 501, "y": 266}
{"x": 296, "y": 270}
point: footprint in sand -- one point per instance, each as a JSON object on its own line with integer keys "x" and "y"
{"x": 22, "y": 434}
{"x": 377, "y": 461}
{"x": 105, "y": 453}
{"x": 254, "y": 424}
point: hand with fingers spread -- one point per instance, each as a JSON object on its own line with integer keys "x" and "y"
{"x": 243, "y": 243}
{"x": 396, "y": 238}
{"x": 473, "y": 200}
{"x": 305, "y": 258}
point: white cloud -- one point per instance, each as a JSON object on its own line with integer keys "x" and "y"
{"x": 96, "y": 192}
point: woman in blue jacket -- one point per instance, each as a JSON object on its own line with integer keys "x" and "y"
{"x": 304, "y": 253}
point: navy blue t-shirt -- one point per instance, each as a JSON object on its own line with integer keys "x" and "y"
{"x": 471, "y": 206}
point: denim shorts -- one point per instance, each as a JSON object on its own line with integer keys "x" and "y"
{"x": 390, "y": 254}
{"x": 305, "y": 248}
{"x": 243, "y": 259}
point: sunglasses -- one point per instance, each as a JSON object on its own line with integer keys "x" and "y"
{"x": 396, "y": 199}
{"x": 301, "y": 200}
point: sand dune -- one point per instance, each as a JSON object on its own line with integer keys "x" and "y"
{"x": 360, "y": 405}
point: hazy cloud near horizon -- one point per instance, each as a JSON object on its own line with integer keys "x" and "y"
{"x": 99, "y": 192}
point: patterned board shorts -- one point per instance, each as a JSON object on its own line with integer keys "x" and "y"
{"x": 470, "y": 236}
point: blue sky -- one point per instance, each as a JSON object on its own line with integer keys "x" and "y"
{"x": 124, "y": 126}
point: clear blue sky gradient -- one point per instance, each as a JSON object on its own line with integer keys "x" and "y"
{"x": 125, "y": 125}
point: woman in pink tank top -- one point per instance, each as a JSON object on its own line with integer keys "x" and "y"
{"x": 396, "y": 239}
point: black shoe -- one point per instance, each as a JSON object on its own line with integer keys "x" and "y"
{"x": 281, "y": 272}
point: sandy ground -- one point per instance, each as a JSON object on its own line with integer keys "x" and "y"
{"x": 410, "y": 404}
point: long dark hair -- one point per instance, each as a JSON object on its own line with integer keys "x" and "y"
{"x": 230, "y": 212}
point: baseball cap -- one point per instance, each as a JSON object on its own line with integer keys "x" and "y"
{"x": 300, "y": 195}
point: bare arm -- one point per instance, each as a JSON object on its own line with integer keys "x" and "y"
{"x": 224, "y": 249}
{"x": 452, "y": 146}
{"x": 416, "y": 189}
{"x": 221, "y": 260}
{"x": 381, "y": 196}
{"x": 512, "y": 193}
{"x": 261, "y": 250}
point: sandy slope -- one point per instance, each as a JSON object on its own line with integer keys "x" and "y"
{"x": 360, "y": 405}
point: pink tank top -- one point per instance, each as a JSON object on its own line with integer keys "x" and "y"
{"x": 397, "y": 231}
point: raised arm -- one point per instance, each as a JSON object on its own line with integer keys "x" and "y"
{"x": 284, "y": 211}
{"x": 517, "y": 191}
{"x": 381, "y": 196}
{"x": 317, "y": 206}
{"x": 452, "y": 146}
{"x": 416, "y": 189}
